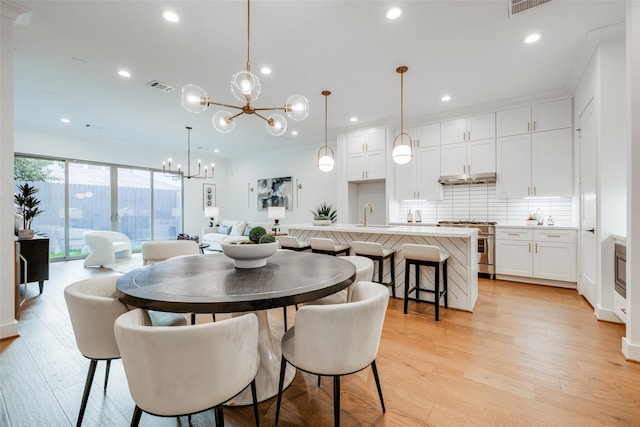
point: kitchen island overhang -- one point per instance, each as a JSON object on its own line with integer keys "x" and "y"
{"x": 460, "y": 243}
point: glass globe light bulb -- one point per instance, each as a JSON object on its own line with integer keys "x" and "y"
{"x": 276, "y": 125}
{"x": 194, "y": 98}
{"x": 297, "y": 107}
{"x": 245, "y": 86}
{"x": 222, "y": 122}
{"x": 326, "y": 163}
{"x": 401, "y": 154}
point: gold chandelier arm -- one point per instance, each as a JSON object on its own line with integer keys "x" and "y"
{"x": 261, "y": 116}
{"x": 223, "y": 105}
{"x": 234, "y": 116}
{"x": 270, "y": 108}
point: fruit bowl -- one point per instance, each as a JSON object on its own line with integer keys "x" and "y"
{"x": 249, "y": 255}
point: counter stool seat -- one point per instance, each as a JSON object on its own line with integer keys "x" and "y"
{"x": 292, "y": 243}
{"x": 321, "y": 245}
{"x": 429, "y": 256}
{"x": 376, "y": 252}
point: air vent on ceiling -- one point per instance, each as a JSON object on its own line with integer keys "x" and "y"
{"x": 160, "y": 86}
{"x": 519, "y": 6}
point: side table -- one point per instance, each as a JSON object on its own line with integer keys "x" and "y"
{"x": 36, "y": 253}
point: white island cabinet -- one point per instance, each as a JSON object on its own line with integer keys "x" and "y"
{"x": 539, "y": 254}
{"x": 460, "y": 243}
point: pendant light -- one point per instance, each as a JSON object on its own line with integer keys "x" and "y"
{"x": 402, "y": 153}
{"x": 326, "y": 157}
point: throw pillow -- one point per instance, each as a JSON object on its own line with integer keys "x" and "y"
{"x": 247, "y": 230}
{"x": 238, "y": 228}
{"x": 224, "y": 229}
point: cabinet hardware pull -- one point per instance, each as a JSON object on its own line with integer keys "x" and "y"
{"x": 469, "y": 136}
{"x": 554, "y": 235}
{"x": 535, "y": 191}
{"x": 529, "y": 247}
{"x": 513, "y": 234}
{"x": 535, "y": 124}
{"x": 528, "y": 191}
{"x": 591, "y": 230}
{"x": 536, "y": 247}
{"x": 528, "y": 126}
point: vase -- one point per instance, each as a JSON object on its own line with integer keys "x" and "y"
{"x": 26, "y": 234}
{"x": 321, "y": 222}
{"x": 249, "y": 255}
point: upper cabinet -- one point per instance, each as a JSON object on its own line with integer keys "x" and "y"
{"x": 366, "y": 155}
{"x": 469, "y": 129}
{"x": 418, "y": 179}
{"x": 535, "y": 118}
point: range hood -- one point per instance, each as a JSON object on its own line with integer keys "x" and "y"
{"x": 478, "y": 178}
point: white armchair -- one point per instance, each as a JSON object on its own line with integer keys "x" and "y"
{"x": 105, "y": 246}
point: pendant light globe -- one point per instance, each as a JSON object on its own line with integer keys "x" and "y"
{"x": 223, "y": 122}
{"x": 297, "y": 107}
{"x": 276, "y": 124}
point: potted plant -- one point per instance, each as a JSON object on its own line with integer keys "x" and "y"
{"x": 27, "y": 207}
{"x": 324, "y": 214}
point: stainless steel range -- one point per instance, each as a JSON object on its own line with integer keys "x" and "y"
{"x": 486, "y": 242}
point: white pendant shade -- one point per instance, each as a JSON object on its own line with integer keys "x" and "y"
{"x": 401, "y": 154}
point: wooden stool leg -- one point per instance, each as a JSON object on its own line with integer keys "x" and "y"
{"x": 407, "y": 268}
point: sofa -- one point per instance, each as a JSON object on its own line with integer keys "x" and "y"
{"x": 229, "y": 231}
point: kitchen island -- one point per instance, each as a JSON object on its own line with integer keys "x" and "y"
{"x": 460, "y": 243}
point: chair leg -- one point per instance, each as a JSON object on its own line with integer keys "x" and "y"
{"x": 193, "y": 318}
{"x": 254, "y": 395}
{"x": 219, "y": 416}
{"x": 87, "y": 388}
{"x": 392, "y": 269}
{"x": 407, "y": 276}
{"x": 436, "y": 296}
{"x": 213, "y": 316}
{"x": 319, "y": 379}
{"x": 446, "y": 286}
{"x": 336, "y": 400}
{"x": 283, "y": 366}
{"x": 106, "y": 374}
{"x": 375, "y": 375}
{"x": 135, "y": 419}
{"x": 381, "y": 270}
{"x": 417, "y": 266}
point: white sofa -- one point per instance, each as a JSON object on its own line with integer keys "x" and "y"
{"x": 160, "y": 250}
{"x": 229, "y": 231}
{"x": 105, "y": 246}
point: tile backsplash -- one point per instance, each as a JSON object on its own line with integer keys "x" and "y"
{"x": 478, "y": 202}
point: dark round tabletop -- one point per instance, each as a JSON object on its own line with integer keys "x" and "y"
{"x": 211, "y": 284}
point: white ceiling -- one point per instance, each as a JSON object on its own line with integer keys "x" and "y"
{"x": 68, "y": 54}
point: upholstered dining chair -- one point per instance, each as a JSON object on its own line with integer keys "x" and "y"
{"x": 337, "y": 339}
{"x": 183, "y": 370}
{"x": 364, "y": 272}
{"x": 93, "y": 306}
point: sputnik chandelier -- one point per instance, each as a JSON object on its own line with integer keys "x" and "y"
{"x": 326, "y": 157}
{"x": 402, "y": 153}
{"x": 245, "y": 87}
{"x": 166, "y": 168}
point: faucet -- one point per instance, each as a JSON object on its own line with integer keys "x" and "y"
{"x": 370, "y": 206}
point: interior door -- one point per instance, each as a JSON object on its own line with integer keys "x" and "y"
{"x": 588, "y": 281}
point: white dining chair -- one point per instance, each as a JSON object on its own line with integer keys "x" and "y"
{"x": 337, "y": 339}
{"x": 183, "y": 370}
{"x": 364, "y": 272}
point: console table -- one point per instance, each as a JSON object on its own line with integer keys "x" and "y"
{"x": 36, "y": 253}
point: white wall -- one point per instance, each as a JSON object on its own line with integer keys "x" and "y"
{"x": 298, "y": 163}
{"x": 69, "y": 146}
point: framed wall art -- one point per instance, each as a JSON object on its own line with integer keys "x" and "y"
{"x": 208, "y": 195}
{"x": 275, "y": 192}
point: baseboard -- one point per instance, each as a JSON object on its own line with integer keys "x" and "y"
{"x": 606, "y": 315}
{"x": 9, "y": 330}
{"x": 630, "y": 351}
{"x": 536, "y": 281}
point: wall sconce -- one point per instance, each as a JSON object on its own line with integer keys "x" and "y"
{"x": 211, "y": 212}
{"x": 298, "y": 188}
{"x": 276, "y": 213}
{"x": 249, "y": 191}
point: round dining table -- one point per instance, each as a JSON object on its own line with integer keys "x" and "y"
{"x": 211, "y": 284}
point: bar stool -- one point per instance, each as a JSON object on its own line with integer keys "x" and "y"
{"x": 321, "y": 245}
{"x": 291, "y": 242}
{"x": 429, "y": 256}
{"x": 376, "y": 252}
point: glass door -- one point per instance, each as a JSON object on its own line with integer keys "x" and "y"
{"x": 134, "y": 205}
{"x": 167, "y": 206}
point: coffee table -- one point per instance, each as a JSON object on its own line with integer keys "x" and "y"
{"x": 211, "y": 284}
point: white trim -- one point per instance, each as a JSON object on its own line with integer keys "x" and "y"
{"x": 630, "y": 351}
{"x": 9, "y": 330}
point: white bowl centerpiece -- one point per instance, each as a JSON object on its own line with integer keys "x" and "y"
{"x": 252, "y": 253}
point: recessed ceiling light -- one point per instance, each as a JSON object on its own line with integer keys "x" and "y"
{"x": 124, "y": 73}
{"x": 65, "y": 120}
{"x": 294, "y": 132}
{"x": 265, "y": 70}
{"x": 170, "y": 16}
{"x": 446, "y": 98}
{"x": 532, "y": 38}
{"x": 394, "y": 12}
{"x": 353, "y": 119}
{"x": 216, "y": 150}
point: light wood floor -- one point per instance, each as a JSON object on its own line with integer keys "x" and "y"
{"x": 527, "y": 356}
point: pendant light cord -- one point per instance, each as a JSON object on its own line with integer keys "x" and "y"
{"x": 248, "y": 35}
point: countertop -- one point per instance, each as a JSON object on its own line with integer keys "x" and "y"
{"x": 538, "y": 227}
{"x": 390, "y": 229}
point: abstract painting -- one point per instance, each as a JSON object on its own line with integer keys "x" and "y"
{"x": 275, "y": 192}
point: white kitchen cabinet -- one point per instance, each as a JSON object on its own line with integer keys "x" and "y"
{"x": 548, "y": 253}
{"x": 538, "y": 164}
{"x": 418, "y": 179}
{"x": 535, "y": 118}
{"x": 366, "y": 155}
{"x": 468, "y": 158}
{"x": 468, "y": 129}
